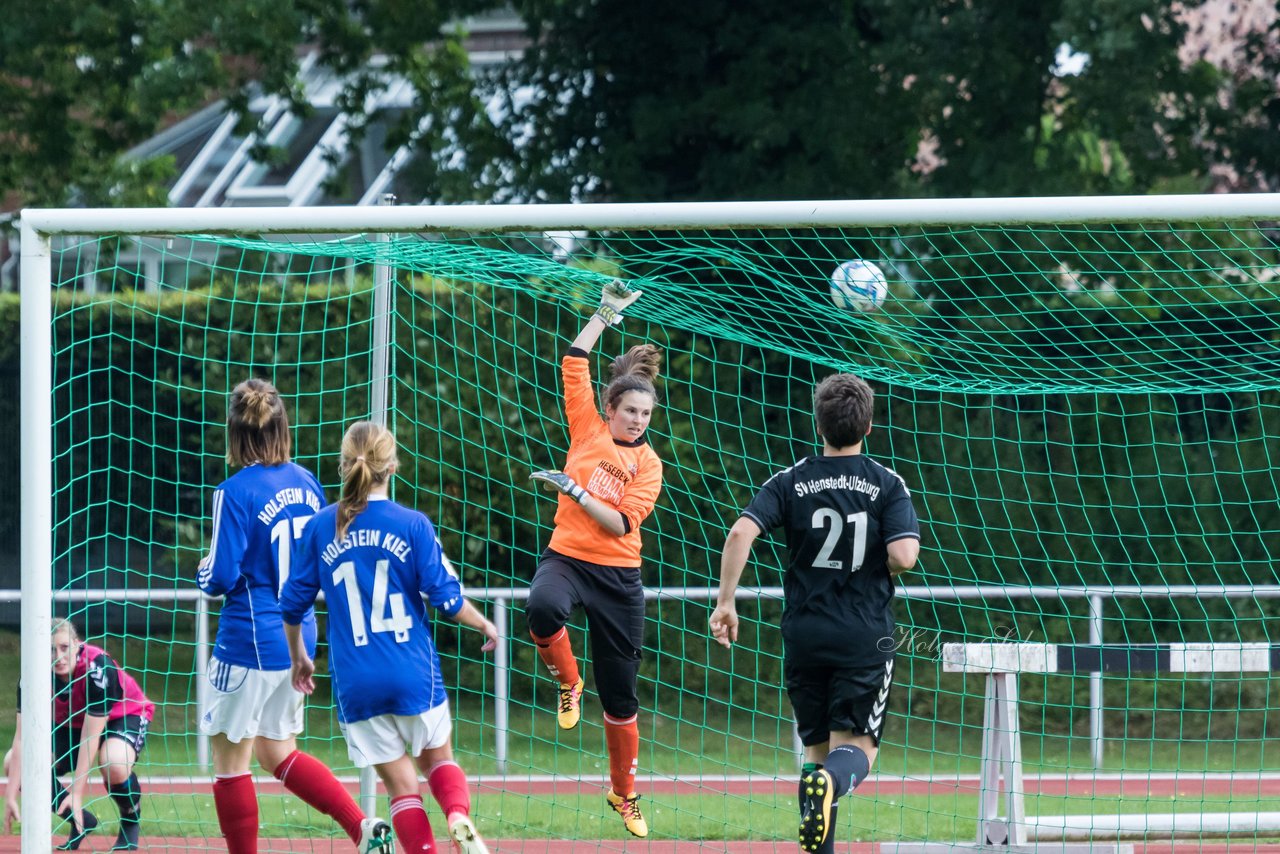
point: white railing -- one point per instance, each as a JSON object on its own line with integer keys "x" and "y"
{"x": 502, "y": 597}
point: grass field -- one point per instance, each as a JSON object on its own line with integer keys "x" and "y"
{"x": 758, "y": 746}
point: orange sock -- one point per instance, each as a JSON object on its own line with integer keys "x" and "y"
{"x": 557, "y": 654}
{"x": 623, "y": 739}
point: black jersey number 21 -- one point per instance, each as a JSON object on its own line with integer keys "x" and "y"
{"x": 830, "y": 519}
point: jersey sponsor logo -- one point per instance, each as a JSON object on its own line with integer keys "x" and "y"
{"x": 607, "y": 482}
{"x": 844, "y": 481}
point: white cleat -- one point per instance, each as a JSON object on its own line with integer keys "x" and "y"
{"x": 465, "y": 836}
{"x": 375, "y": 837}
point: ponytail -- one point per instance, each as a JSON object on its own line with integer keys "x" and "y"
{"x": 368, "y": 460}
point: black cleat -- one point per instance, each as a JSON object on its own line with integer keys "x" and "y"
{"x": 815, "y": 810}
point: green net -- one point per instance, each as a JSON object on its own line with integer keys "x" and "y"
{"x": 1088, "y": 417}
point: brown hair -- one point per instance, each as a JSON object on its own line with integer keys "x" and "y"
{"x": 257, "y": 426}
{"x": 842, "y": 409}
{"x": 634, "y": 370}
{"x": 368, "y": 459}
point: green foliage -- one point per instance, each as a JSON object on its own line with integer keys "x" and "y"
{"x": 751, "y": 100}
{"x": 666, "y": 101}
{"x": 85, "y": 82}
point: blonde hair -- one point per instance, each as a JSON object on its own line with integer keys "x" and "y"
{"x": 257, "y": 425}
{"x": 634, "y": 370}
{"x": 368, "y": 460}
{"x": 65, "y": 626}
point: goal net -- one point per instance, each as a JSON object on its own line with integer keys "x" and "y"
{"x": 1082, "y": 395}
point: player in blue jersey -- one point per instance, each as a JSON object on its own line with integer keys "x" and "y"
{"x": 258, "y": 517}
{"x": 375, "y": 560}
{"x": 851, "y": 529}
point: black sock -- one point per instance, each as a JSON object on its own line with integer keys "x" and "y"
{"x": 60, "y": 795}
{"x": 128, "y": 798}
{"x": 848, "y": 766}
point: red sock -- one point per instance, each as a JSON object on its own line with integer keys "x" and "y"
{"x": 236, "y": 801}
{"x": 409, "y": 821}
{"x": 313, "y": 782}
{"x": 557, "y": 654}
{"x": 448, "y": 784}
{"x": 623, "y": 739}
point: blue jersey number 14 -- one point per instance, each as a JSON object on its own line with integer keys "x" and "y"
{"x": 379, "y": 619}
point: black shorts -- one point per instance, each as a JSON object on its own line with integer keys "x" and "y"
{"x": 611, "y": 596}
{"x": 847, "y": 698}
{"x": 613, "y": 599}
{"x": 131, "y": 729}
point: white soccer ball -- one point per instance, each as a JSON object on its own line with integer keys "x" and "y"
{"x": 858, "y": 285}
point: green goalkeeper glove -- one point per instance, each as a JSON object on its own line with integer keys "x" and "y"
{"x": 615, "y": 299}
{"x": 560, "y": 482}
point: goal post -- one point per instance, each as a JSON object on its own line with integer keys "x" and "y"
{"x": 1083, "y": 395}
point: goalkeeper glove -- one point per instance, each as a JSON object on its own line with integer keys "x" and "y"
{"x": 615, "y": 299}
{"x": 560, "y": 481}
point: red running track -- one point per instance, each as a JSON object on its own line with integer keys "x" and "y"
{"x": 189, "y": 845}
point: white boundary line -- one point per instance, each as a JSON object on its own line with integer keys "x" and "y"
{"x": 881, "y": 779}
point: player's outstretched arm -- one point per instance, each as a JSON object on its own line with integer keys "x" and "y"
{"x": 86, "y": 760}
{"x": 469, "y": 615}
{"x": 733, "y": 559}
{"x": 303, "y": 671}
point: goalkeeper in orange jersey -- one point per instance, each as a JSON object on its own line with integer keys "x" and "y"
{"x": 610, "y": 482}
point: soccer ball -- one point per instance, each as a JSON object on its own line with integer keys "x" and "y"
{"x": 858, "y": 285}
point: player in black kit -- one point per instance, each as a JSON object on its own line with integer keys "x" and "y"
{"x": 850, "y": 528}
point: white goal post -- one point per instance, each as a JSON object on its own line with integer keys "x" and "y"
{"x": 38, "y": 226}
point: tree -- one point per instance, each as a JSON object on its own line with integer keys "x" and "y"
{"x": 670, "y": 99}
{"x": 817, "y": 98}
{"x": 83, "y": 82}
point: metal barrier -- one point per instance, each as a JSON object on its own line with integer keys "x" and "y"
{"x": 502, "y": 597}
{"x": 1002, "y": 744}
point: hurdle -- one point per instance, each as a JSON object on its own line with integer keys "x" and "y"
{"x": 1001, "y": 771}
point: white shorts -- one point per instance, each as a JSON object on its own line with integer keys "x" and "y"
{"x": 386, "y": 738}
{"x": 242, "y": 703}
